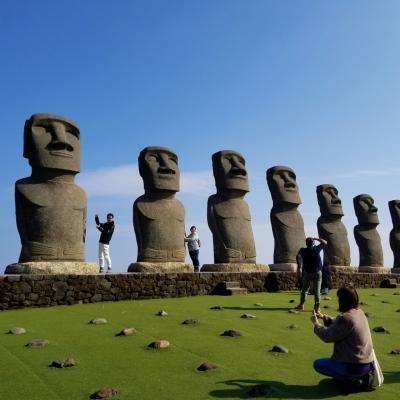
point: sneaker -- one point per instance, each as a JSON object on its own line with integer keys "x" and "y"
{"x": 101, "y": 270}
{"x": 299, "y": 307}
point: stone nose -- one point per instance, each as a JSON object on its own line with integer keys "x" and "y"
{"x": 59, "y": 139}
{"x": 166, "y": 165}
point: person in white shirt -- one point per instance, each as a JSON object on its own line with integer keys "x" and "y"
{"x": 193, "y": 243}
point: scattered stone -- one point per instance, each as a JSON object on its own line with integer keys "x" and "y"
{"x": 206, "y": 366}
{"x": 159, "y": 344}
{"x": 293, "y": 311}
{"x": 395, "y": 351}
{"x": 162, "y": 313}
{"x": 326, "y": 306}
{"x": 98, "y": 321}
{"x": 292, "y": 326}
{"x": 247, "y": 316}
{"x": 396, "y": 294}
{"x": 375, "y": 295}
{"x": 260, "y": 390}
{"x": 398, "y": 310}
{"x": 127, "y": 332}
{"x": 368, "y": 314}
{"x": 279, "y": 349}
{"x": 216, "y": 308}
{"x": 385, "y": 301}
{"x": 363, "y": 303}
{"x": 258, "y": 304}
{"x": 67, "y": 363}
{"x": 190, "y": 322}
{"x": 104, "y": 393}
{"x": 291, "y": 301}
{"x": 231, "y": 333}
{"x": 380, "y": 329}
{"x": 38, "y": 343}
{"x": 327, "y": 298}
{"x": 17, "y": 331}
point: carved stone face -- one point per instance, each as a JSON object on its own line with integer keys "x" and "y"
{"x": 158, "y": 167}
{"x": 328, "y": 200}
{"x": 230, "y": 171}
{"x": 365, "y": 210}
{"x": 282, "y": 185}
{"x": 51, "y": 141}
{"x": 394, "y": 207}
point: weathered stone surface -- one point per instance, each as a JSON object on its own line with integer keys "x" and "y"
{"x": 366, "y": 235}
{"x": 67, "y": 363}
{"x": 228, "y": 214}
{"x": 287, "y": 223}
{"x": 50, "y": 208}
{"x": 190, "y": 322}
{"x": 157, "y": 267}
{"x": 279, "y": 349}
{"x": 232, "y": 333}
{"x": 127, "y": 332}
{"x": 206, "y": 366}
{"x": 104, "y": 393}
{"x": 260, "y": 390}
{"x": 99, "y": 321}
{"x": 235, "y": 267}
{"x": 248, "y": 316}
{"x": 158, "y": 217}
{"x": 17, "y": 331}
{"x": 52, "y": 267}
{"x": 290, "y": 267}
{"x": 331, "y": 228}
{"x": 159, "y": 344}
{"x": 38, "y": 343}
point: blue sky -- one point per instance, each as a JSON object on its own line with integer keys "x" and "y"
{"x": 309, "y": 84}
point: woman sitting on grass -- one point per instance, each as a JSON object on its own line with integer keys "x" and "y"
{"x": 352, "y": 359}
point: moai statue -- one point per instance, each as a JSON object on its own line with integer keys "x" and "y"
{"x": 229, "y": 218}
{"x": 366, "y": 235}
{"x": 158, "y": 217}
{"x": 332, "y": 229}
{"x": 286, "y": 221}
{"x": 394, "y": 207}
{"x": 50, "y": 207}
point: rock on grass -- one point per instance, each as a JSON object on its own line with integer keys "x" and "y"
{"x": 17, "y": 331}
{"x": 38, "y": 343}
{"x": 159, "y": 344}
{"x": 216, "y": 308}
{"x": 190, "y": 322}
{"x": 395, "y": 351}
{"x": 104, "y": 393}
{"x": 127, "y": 332}
{"x": 231, "y": 333}
{"x": 279, "y": 349}
{"x": 67, "y": 363}
{"x": 380, "y": 329}
{"x": 206, "y": 366}
{"x": 162, "y": 313}
{"x": 248, "y": 316}
{"x": 98, "y": 321}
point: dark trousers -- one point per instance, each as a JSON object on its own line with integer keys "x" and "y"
{"x": 194, "y": 255}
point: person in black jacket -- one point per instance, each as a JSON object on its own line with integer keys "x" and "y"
{"x": 107, "y": 230}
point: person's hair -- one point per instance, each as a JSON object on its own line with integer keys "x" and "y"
{"x": 110, "y": 215}
{"x": 192, "y": 227}
{"x": 348, "y": 298}
{"x": 309, "y": 241}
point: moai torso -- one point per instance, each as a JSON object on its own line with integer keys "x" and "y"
{"x": 51, "y": 219}
{"x": 230, "y": 223}
{"x": 394, "y": 207}
{"x": 159, "y": 227}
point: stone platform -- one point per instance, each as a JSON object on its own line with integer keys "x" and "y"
{"x": 154, "y": 267}
{"x": 235, "y": 267}
{"x": 53, "y": 267}
{"x": 283, "y": 267}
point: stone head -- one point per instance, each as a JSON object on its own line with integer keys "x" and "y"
{"x": 328, "y": 200}
{"x": 365, "y": 210}
{"x": 394, "y": 208}
{"x": 282, "y": 185}
{"x": 158, "y": 167}
{"x": 52, "y": 142}
{"x": 229, "y": 171}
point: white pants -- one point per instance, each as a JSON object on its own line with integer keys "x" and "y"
{"x": 104, "y": 254}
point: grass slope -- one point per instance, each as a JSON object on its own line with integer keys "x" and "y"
{"x": 137, "y": 372}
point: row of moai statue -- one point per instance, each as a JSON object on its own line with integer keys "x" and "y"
{"x": 51, "y": 213}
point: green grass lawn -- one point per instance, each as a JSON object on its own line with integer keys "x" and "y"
{"x": 137, "y": 372}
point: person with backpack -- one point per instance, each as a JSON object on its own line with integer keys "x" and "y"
{"x": 310, "y": 265}
{"x": 194, "y": 244}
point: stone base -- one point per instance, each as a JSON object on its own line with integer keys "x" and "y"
{"x": 395, "y": 270}
{"x": 375, "y": 270}
{"x": 235, "y": 267}
{"x": 160, "y": 267}
{"x": 283, "y": 267}
{"x": 345, "y": 269}
{"x": 52, "y": 268}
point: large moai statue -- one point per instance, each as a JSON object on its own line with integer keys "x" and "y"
{"x": 50, "y": 207}
{"x": 366, "y": 235}
{"x": 332, "y": 229}
{"x": 394, "y": 207}
{"x": 229, "y": 217}
{"x": 286, "y": 221}
{"x": 158, "y": 217}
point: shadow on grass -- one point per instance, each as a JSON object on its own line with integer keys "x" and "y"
{"x": 240, "y": 388}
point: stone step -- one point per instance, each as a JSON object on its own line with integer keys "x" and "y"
{"x": 231, "y": 284}
{"x": 235, "y": 291}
